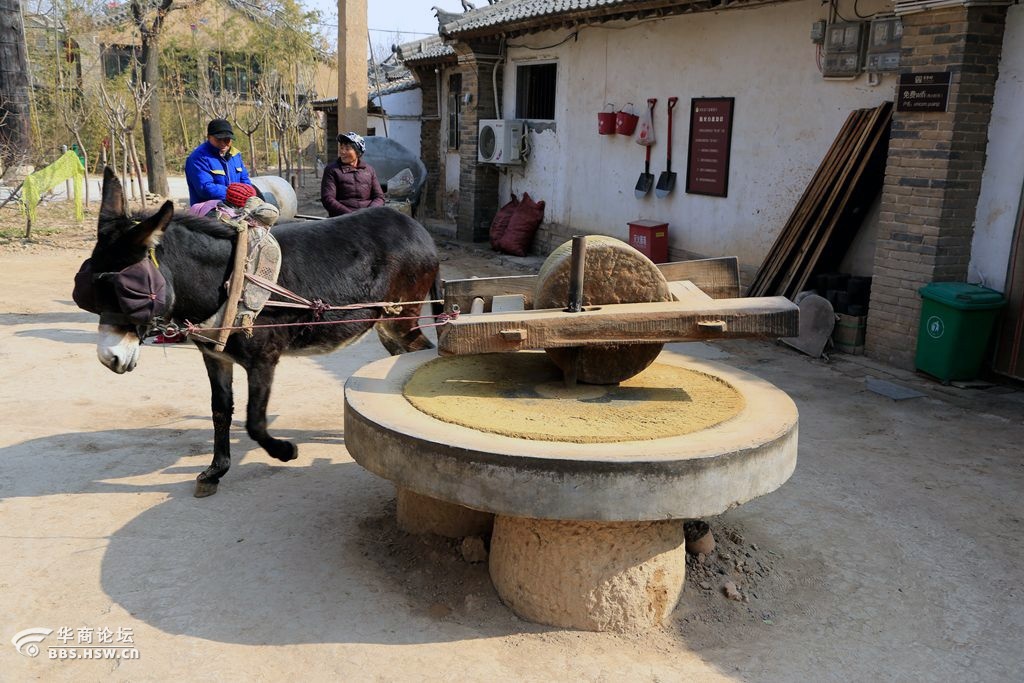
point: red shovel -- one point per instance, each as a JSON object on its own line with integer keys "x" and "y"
{"x": 667, "y": 180}
{"x": 646, "y": 179}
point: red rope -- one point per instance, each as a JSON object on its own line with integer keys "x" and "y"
{"x": 318, "y": 308}
{"x": 191, "y": 328}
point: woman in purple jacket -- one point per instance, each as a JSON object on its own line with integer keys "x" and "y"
{"x": 349, "y": 184}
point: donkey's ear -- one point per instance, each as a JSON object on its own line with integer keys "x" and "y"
{"x": 149, "y": 232}
{"x": 113, "y": 205}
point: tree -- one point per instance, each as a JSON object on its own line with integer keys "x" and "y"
{"x": 122, "y": 109}
{"x": 149, "y": 20}
{"x": 148, "y": 17}
{"x": 292, "y": 52}
{"x": 14, "y": 102}
{"x": 75, "y": 110}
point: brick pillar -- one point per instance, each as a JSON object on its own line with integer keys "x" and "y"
{"x": 431, "y": 202}
{"x": 933, "y": 175}
{"x": 478, "y": 183}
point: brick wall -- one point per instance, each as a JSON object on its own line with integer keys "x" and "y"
{"x": 431, "y": 202}
{"x": 933, "y": 175}
{"x": 478, "y": 183}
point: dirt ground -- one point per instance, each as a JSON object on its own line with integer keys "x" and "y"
{"x": 894, "y": 553}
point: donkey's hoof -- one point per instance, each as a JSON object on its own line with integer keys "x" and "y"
{"x": 204, "y": 487}
{"x": 283, "y": 451}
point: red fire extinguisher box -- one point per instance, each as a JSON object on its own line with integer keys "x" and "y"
{"x": 650, "y": 238}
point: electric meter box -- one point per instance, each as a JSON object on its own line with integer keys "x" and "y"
{"x": 884, "y": 39}
{"x": 818, "y": 32}
{"x": 844, "y": 48}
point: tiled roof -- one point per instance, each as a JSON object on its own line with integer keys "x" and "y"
{"x": 428, "y": 49}
{"x": 391, "y": 87}
{"x": 510, "y": 11}
{"x": 524, "y": 15}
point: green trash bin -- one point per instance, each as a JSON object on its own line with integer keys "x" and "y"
{"x": 956, "y": 322}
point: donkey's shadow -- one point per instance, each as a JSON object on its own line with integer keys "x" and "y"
{"x": 101, "y": 462}
{"x": 304, "y": 552}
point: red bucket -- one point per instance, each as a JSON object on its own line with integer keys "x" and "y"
{"x": 606, "y": 121}
{"x": 625, "y": 121}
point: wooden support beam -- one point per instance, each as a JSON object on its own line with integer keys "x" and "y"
{"x": 462, "y": 292}
{"x": 684, "y": 290}
{"x": 717, "y": 277}
{"x": 662, "y": 322}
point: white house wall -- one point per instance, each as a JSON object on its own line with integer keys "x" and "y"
{"x": 1002, "y": 182}
{"x": 786, "y": 117}
{"x": 403, "y": 118}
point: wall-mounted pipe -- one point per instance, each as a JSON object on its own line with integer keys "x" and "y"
{"x": 494, "y": 78}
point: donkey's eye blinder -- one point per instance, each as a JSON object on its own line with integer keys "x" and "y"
{"x": 140, "y": 288}
{"x": 84, "y": 293}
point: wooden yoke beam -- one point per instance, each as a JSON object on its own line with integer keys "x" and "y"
{"x": 668, "y": 321}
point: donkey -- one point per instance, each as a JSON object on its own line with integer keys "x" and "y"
{"x": 375, "y": 255}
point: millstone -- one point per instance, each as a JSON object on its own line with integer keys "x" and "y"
{"x": 614, "y": 273}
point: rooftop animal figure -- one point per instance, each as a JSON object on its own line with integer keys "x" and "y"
{"x": 444, "y": 17}
{"x": 467, "y": 5}
{"x": 180, "y": 264}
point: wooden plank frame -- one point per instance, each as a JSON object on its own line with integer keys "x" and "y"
{"x": 717, "y": 277}
{"x": 814, "y": 234}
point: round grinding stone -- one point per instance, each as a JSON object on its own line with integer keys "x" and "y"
{"x": 613, "y": 273}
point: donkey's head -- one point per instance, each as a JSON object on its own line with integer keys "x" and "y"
{"x": 121, "y": 281}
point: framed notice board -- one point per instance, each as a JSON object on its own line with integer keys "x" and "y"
{"x": 923, "y": 92}
{"x": 707, "y": 167}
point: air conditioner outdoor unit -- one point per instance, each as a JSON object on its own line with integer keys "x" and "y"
{"x": 499, "y": 141}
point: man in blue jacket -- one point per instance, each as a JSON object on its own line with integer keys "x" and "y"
{"x": 214, "y": 165}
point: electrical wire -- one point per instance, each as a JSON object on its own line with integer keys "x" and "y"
{"x": 858, "y": 14}
{"x": 574, "y": 34}
{"x": 835, "y": 10}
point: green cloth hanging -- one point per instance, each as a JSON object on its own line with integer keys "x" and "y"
{"x": 68, "y": 166}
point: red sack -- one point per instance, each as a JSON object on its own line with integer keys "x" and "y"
{"x": 521, "y": 229}
{"x": 501, "y": 219}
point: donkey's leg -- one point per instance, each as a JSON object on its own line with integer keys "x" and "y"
{"x": 261, "y": 377}
{"x": 222, "y": 402}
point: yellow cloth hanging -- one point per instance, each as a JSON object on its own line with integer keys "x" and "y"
{"x": 68, "y": 166}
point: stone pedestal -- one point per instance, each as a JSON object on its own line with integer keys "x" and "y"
{"x": 597, "y": 576}
{"x": 418, "y": 514}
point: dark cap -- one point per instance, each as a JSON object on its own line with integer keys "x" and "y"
{"x": 220, "y": 128}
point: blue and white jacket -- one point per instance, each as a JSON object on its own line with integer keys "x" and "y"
{"x": 209, "y": 174}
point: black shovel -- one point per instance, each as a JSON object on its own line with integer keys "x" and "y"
{"x": 667, "y": 179}
{"x": 646, "y": 180}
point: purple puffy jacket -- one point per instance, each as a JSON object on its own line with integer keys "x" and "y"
{"x": 345, "y": 189}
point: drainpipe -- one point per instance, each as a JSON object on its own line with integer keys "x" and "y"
{"x": 494, "y": 78}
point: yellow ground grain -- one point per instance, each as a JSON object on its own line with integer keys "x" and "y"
{"x": 522, "y": 395}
